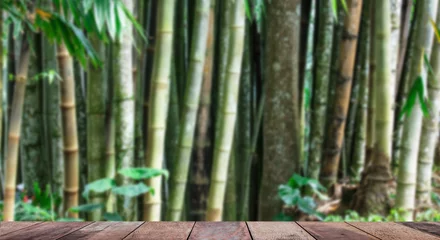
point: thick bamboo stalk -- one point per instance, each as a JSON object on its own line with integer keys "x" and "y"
{"x": 159, "y": 99}
{"x": 244, "y": 131}
{"x": 321, "y": 85}
{"x": 70, "y": 135}
{"x": 373, "y": 195}
{"x": 96, "y": 89}
{"x": 406, "y": 180}
{"x": 430, "y": 129}
{"x": 346, "y": 63}
{"x": 360, "y": 136}
{"x": 179, "y": 175}
{"x": 230, "y": 203}
{"x": 199, "y": 178}
{"x": 14, "y": 130}
{"x": 222, "y": 151}
{"x": 33, "y": 158}
{"x": 395, "y": 12}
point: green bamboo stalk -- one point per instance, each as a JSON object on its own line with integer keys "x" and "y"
{"x": 2, "y": 71}
{"x": 430, "y": 129}
{"x": 223, "y": 147}
{"x": 32, "y": 158}
{"x": 110, "y": 161}
{"x": 230, "y": 203}
{"x": 199, "y": 178}
{"x": 159, "y": 98}
{"x": 244, "y": 130}
{"x": 307, "y": 88}
{"x": 181, "y": 47}
{"x": 321, "y": 85}
{"x": 179, "y": 174}
{"x": 96, "y": 89}
{"x": 406, "y": 180}
{"x": 14, "y": 130}
{"x": 124, "y": 99}
{"x": 52, "y": 118}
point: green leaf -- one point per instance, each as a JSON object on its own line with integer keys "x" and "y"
{"x": 307, "y": 205}
{"x": 114, "y": 217}
{"x": 142, "y": 173}
{"x": 99, "y": 9}
{"x": 435, "y": 28}
{"x": 344, "y": 5}
{"x": 248, "y": 9}
{"x": 132, "y": 190}
{"x": 289, "y": 195}
{"x": 411, "y": 100}
{"x": 335, "y": 9}
{"x": 99, "y": 186}
{"x": 428, "y": 64}
{"x": 86, "y": 207}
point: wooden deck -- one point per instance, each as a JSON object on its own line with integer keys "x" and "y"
{"x": 217, "y": 230}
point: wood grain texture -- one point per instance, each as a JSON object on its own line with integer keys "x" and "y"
{"x": 391, "y": 231}
{"x": 277, "y": 230}
{"x": 162, "y": 230}
{"x": 8, "y": 227}
{"x": 45, "y": 231}
{"x": 104, "y": 231}
{"x": 220, "y": 230}
{"x": 339, "y": 230}
{"x": 431, "y": 228}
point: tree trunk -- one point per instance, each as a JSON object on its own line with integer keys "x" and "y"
{"x": 14, "y": 130}
{"x": 159, "y": 99}
{"x": 96, "y": 107}
{"x": 222, "y": 151}
{"x": 321, "y": 85}
{"x": 346, "y": 61}
{"x": 280, "y": 131}
{"x": 406, "y": 180}
{"x": 373, "y": 194}
{"x": 430, "y": 129}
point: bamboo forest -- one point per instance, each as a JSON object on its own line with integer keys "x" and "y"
{"x": 219, "y": 110}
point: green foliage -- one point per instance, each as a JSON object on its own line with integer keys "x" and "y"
{"x": 335, "y": 7}
{"x": 293, "y": 194}
{"x": 132, "y": 190}
{"x": 51, "y": 75}
{"x": 109, "y": 185}
{"x": 142, "y": 173}
{"x": 417, "y": 91}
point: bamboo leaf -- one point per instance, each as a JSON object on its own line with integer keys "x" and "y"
{"x": 335, "y": 9}
{"x": 344, "y": 5}
{"x": 115, "y": 217}
{"x": 98, "y": 186}
{"x": 436, "y": 30}
{"x": 428, "y": 64}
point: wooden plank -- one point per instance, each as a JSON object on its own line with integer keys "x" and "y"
{"x": 46, "y": 231}
{"x": 162, "y": 230}
{"x": 431, "y": 228}
{"x": 8, "y": 227}
{"x": 220, "y": 230}
{"x": 277, "y": 230}
{"x": 336, "y": 230}
{"x": 104, "y": 231}
{"x": 391, "y": 231}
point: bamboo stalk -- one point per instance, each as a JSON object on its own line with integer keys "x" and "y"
{"x": 406, "y": 180}
{"x": 430, "y": 129}
{"x": 321, "y": 85}
{"x": 14, "y": 130}
{"x": 96, "y": 86}
{"x": 159, "y": 99}
{"x": 336, "y": 128}
{"x": 223, "y": 147}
